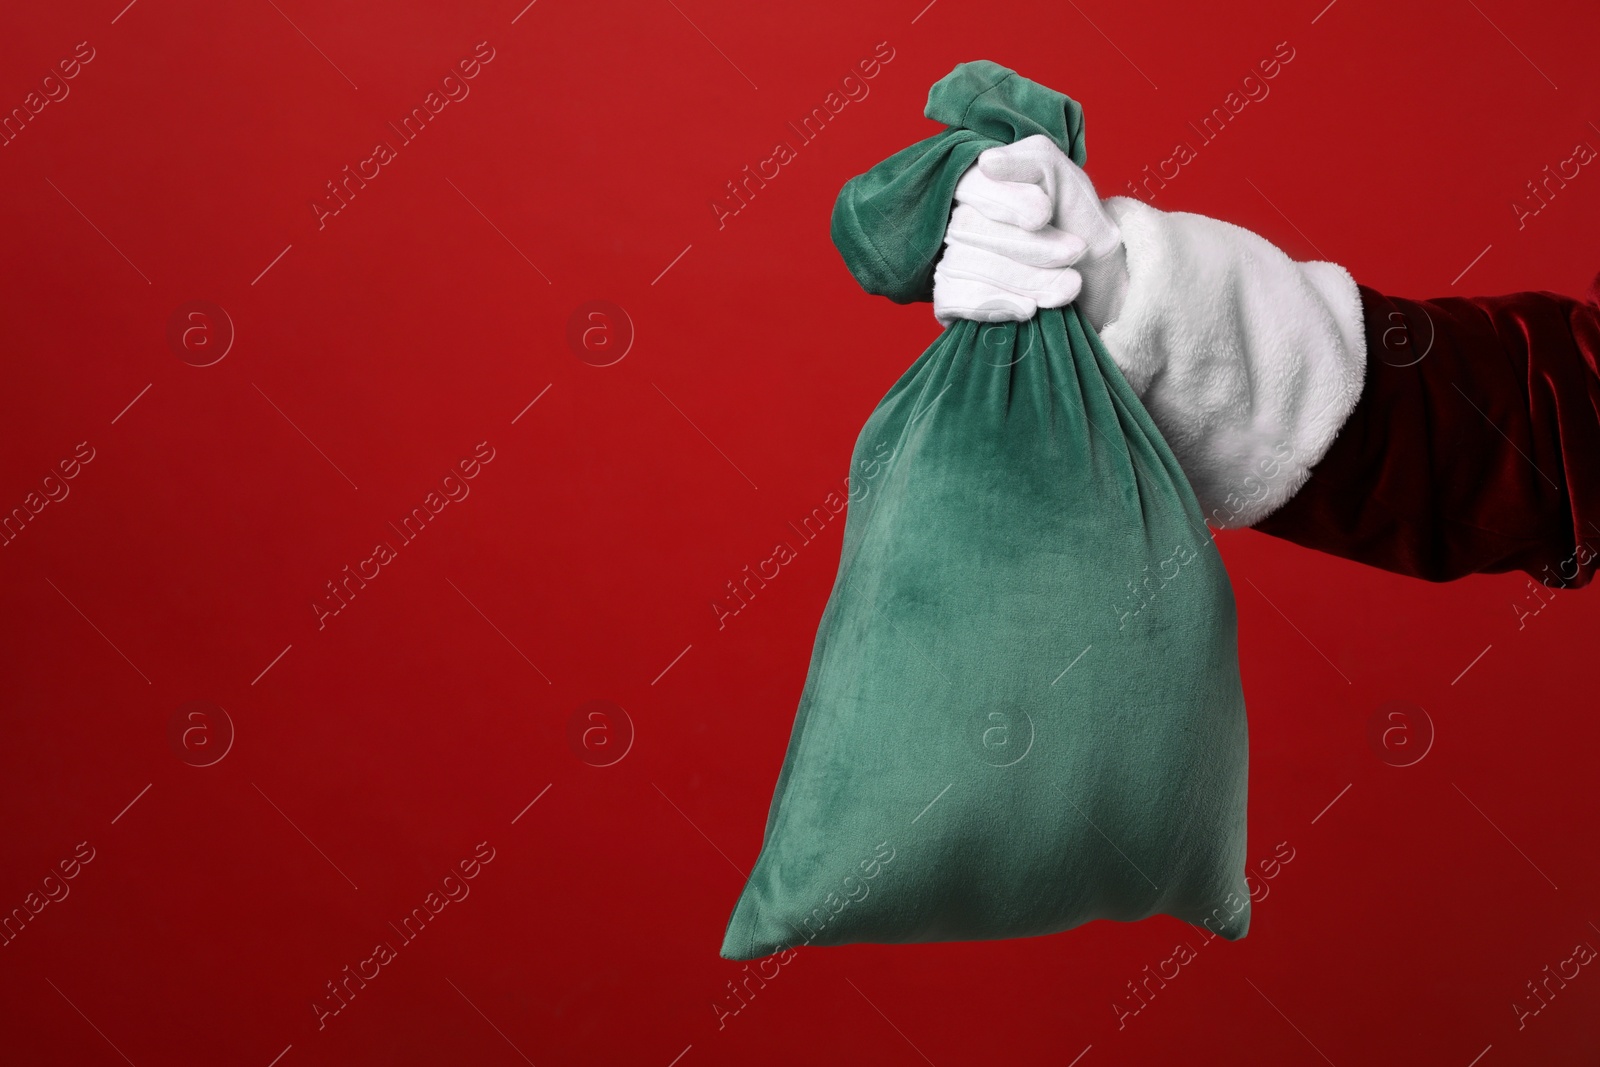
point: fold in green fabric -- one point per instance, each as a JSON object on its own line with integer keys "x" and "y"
{"x": 889, "y": 222}
{"x": 1023, "y": 710}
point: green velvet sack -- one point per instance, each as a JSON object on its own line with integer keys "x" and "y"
{"x": 1023, "y": 710}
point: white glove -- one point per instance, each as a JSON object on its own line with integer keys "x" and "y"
{"x": 1028, "y": 232}
{"x": 1002, "y": 259}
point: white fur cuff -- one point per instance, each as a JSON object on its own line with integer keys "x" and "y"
{"x": 1248, "y": 362}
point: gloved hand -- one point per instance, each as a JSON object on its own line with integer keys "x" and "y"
{"x": 1028, "y": 232}
{"x": 1247, "y": 361}
{"x": 1002, "y": 259}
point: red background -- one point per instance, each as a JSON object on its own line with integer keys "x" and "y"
{"x": 372, "y": 755}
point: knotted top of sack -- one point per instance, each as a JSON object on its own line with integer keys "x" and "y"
{"x": 889, "y": 223}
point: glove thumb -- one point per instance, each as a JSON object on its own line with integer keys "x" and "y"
{"x": 1004, "y": 165}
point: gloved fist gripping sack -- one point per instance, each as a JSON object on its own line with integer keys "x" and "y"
{"x": 1023, "y": 709}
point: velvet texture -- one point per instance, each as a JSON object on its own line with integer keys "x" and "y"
{"x": 1475, "y": 446}
{"x": 1023, "y": 710}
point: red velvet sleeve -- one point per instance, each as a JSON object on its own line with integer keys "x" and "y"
{"x": 1475, "y": 446}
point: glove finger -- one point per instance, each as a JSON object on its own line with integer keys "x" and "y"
{"x": 1047, "y": 287}
{"x": 1000, "y": 270}
{"x": 1047, "y": 246}
{"x": 1037, "y": 160}
{"x": 1014, "y": 203}
{"x": 1012, "y": 163}
{"x": 963, "y": 298}
{"x": 1076, "y": 207}
{"x": 1059, "y": 290}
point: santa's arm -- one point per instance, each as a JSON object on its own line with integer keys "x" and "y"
{"x": 1474, "y": 446}
{"x": 1432, "y": 438}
